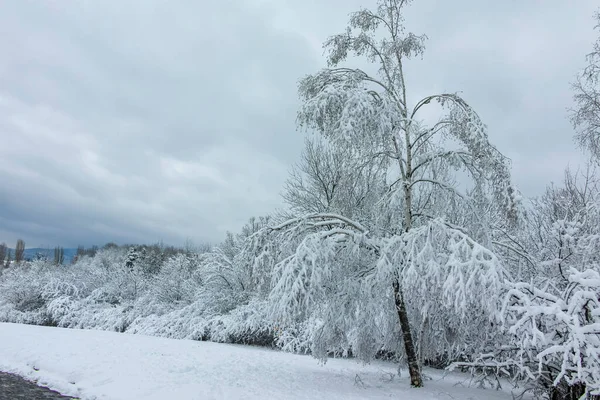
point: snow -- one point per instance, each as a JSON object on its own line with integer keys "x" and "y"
{"x": 109, "y": 365}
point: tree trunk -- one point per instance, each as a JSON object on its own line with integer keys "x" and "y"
{"x": 409, "y": 346}
{"x": 422, "y": 342}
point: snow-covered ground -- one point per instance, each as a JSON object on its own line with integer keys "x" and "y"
{"x": 107, "y": 365}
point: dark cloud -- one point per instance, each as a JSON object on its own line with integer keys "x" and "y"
{"x": 136, "y": 121}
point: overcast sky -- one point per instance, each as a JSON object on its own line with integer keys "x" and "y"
{"x": 146, "y": 120}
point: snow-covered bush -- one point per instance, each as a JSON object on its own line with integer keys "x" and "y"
{"x": 248, "y": 324}
{"x": 178, "y": 280}
{"x": 23, "y": 287}
{"x": 24, "y": 293}
{"x": 89, "y": 314}
{"x": 550, "y": 336}
{"x": 557, "y": 333}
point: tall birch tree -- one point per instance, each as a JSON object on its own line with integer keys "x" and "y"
{"x": 345, "y": 267}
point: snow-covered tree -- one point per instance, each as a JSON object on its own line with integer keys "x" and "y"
{"x": 551, "y": 311}
{"x": 586, "y": 114}
{"x": 563, "y": 221}
{"x": 132, "y": 256}
{"x": 152, "y": 258}
{"x": 329, "y": 179}
{"x": 238, "y": 269}
{"x": 349, "y": 273}
{"x": 19, "y": 251}
{"x": 3, "y": 252}
{"x": 178, "y": 280}
{"x": 558, "y": 334}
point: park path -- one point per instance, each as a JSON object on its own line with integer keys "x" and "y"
{"x": 13, "y": 387}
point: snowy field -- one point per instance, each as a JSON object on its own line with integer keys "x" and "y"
{"x": 107, "y": 365}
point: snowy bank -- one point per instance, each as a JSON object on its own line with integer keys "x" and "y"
{"x": 109, "y": 365}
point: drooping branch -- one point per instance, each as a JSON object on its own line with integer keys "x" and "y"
{"x": 319, "y": 220}
{"x": 455, "y": 154}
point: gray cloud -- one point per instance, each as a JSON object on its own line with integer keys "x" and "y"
{"x": 136, "y": 121}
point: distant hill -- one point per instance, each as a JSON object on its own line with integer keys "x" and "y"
{"x": 36, "y": 252}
